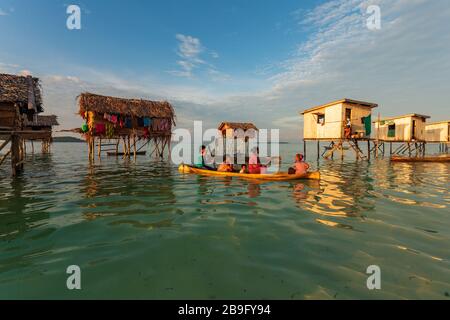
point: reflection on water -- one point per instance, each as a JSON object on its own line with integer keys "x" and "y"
{"x": 161, "y": 234}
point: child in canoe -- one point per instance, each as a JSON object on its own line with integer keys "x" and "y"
{"x": 226, "y": 166}
{"x": 300, "y": 167}
{"x": 254, "y": 163}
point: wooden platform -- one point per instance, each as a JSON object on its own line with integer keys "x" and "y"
{"x": 445, "y": 158}
{"x": 116, "y": 154}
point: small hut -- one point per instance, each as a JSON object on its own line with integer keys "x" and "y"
{"x": 20, "y": 99}
{"x": 40, "y": 128}
{"x": 408, "y": 130}
{"x": 338, "y": 122}
{"x": 237, "y": 129}
{"x": 235, "y": 137}
{"x": 438, "y": 132}
{"x": 126, "y": 120}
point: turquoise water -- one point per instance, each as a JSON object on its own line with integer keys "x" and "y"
{"x": 142, "y": 230}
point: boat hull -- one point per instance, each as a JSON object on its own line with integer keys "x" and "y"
{"x": 282, "y": 176}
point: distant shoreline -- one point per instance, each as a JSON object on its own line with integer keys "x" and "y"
{"x": 67, "y": 140}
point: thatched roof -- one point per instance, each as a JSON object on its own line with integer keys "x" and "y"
{"x": 128, "y": 107}
{"x": 14, "y": 89}
{"x": 42, "y": 121}
{"x": 237, "y": 125}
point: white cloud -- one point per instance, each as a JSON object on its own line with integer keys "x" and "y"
{"x": 190, "y": 50}
{"x": 3, "y": 13}
{"x": 25, "y": 72}
{"x": 189, "y": 47}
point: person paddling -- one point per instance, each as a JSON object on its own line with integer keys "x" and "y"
{"x": 201, "y": 159}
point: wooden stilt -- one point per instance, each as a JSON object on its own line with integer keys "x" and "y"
{"x": 368, "y": 149}
{"x": 15, "y": 155}
{"x": 134, "y": 147}
{"x": 4, "y": 157}
{"x": 99, "y": 147}
{"x": 304, "y": 149}
{"x": 5, "y": 143}
{"x": 318, "y": 149}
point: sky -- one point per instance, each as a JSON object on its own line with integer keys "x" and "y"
{"x": 234, "y": 60}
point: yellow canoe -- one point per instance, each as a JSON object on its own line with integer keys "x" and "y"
{"x": 281, "y": 176}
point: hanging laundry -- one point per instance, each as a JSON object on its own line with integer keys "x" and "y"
{"x": 84, "y": 128}
{"x": 100, "y": 128}
{"x": 147, "y": 122}
{"x": 109, "y": 130}
{"x": 146, "y": 133}
{"x": 114, "y": 119}
{"x": 140, "y": 122}
{"x": 128, "y": 123}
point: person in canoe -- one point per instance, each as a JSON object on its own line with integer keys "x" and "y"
{"x": 300, "y": 166}
{"x": 254, "y": 163}
{"x": 201, "y": 159}
{"x": 243, "y": 169}
{"x": 226, "y": 166}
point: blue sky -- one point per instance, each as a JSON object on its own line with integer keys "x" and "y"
{"x": 215, "y": 60}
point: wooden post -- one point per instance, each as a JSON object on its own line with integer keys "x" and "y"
{"x": 134, "y": 147}
{"x": 4, "y": 157}
{"x": 124, "y": 147}
{"x": 32, "y": 146}
{"x": 15, "y": 155}
{"x": 99, "y": 151}
{"x": 170, "y": 149}
{"x": 117, "y": 146}
{"x": 129, "y": 146}
{"x": 304, "y": 149}
{"x": 318, "y": 149}
{"x": 5, "y": 143}
{"x": 368, "y": 149}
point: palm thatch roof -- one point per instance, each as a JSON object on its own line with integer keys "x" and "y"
{"x": 42, "y": 121}
{"x": 237, "y": 125}
{"x": 16, "y": 89}
{"x": 128, "y": 107}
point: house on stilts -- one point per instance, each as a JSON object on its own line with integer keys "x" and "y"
{"x": 235, "y": 138}
{"x": 342, "y": 124}
{"x": 20, "y": 101}
{"x": 406, "y": 131}
{"x": 438, "y": 132}
{"x": 126, "y": 121}
{"x": 40, "y": 128}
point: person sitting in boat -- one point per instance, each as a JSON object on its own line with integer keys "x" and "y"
{"x": 300, "y": 166}
{"x": 201, "y": 163}
{"x": 226, "y": 166}
{"x": 254, "y": 163}
{"x": 243, "y": 169}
